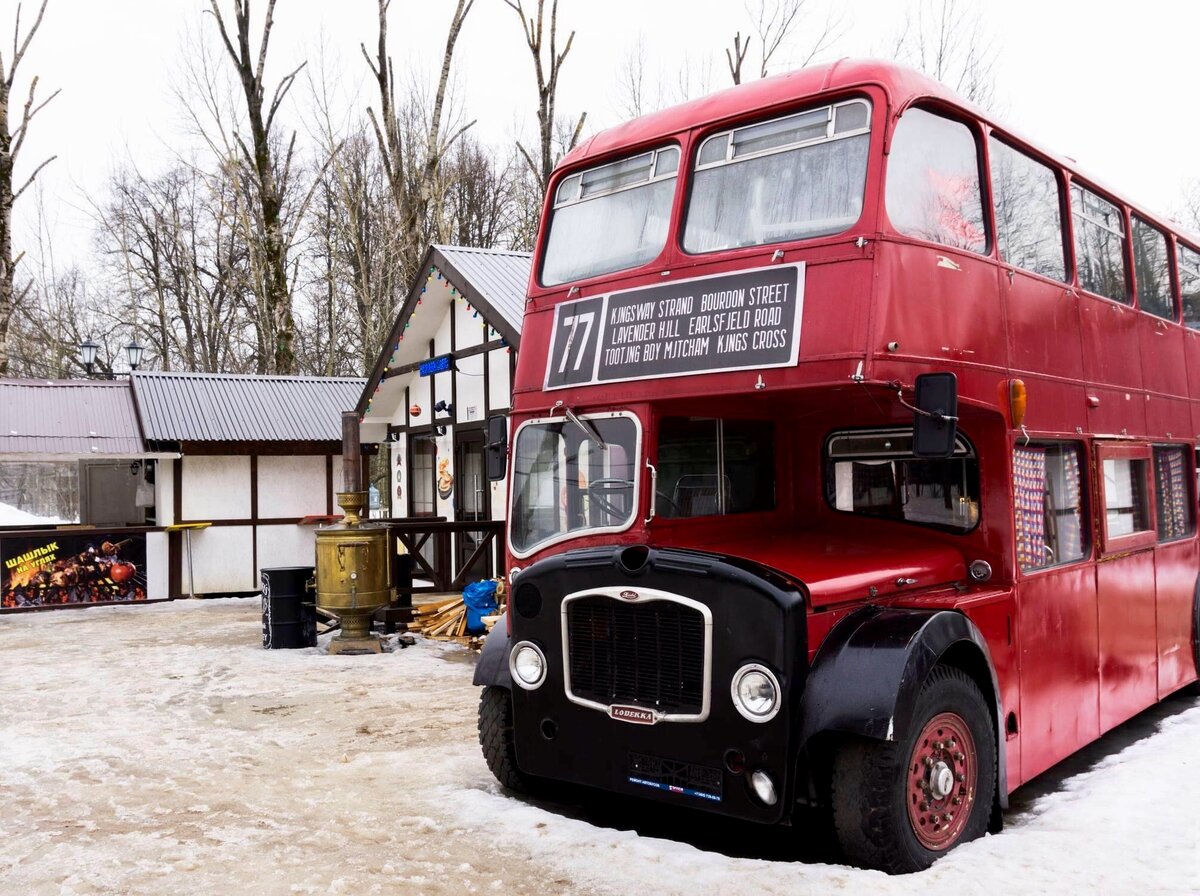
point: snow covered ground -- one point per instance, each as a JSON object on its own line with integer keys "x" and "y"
{"x": 159, "y": 749}
{"x": 11, "y": 516}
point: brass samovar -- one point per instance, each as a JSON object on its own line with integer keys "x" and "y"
{"x": 353, "y": 577}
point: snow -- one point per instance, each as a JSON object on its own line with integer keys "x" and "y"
{"x": 11, "y": 516}
{"x": 159, "y": 749}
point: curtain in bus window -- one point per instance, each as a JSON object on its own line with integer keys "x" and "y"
{"x": 806, "y": 192}
{"x": 1152, "y": 271}
{"x": 933, "y": 182}
{"x": 1099, "y": 245}
{"x": 1189, "y": 285}
{"x": 1029, "y": 493}
{"x": 1174, "y": 506}
{"x": 1029, "y": 226}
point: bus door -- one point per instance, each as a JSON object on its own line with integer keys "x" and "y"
{"x": 1059, "y": 710}
{"x": 1125, "y": 586}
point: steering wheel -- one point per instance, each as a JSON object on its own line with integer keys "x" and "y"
{"x": 599, "y": 490}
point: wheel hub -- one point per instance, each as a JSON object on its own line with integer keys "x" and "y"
{"x": 943, "y": 772}
{"x": 941, "y": 781}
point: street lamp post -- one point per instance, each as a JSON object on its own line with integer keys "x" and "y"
{"x": 88, "y": 350}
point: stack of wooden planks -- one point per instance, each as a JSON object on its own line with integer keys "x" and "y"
{"x": 444, "y": 620}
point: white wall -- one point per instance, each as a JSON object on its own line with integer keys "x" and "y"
{"x": 286, "y": 546}
{"x": 291, "y": 486}
{"x": 222, "y": 558}
{"x": 469, "y": 405}
{"x": 158, "y": 571}
{"x": 164, "y": 491}
{"x": 215, "y": 488}
{"x": 499, "y": 387}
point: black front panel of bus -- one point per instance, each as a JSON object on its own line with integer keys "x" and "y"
{"x": 647, "y": 653}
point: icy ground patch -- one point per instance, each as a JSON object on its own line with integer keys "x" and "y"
{"x": 159, "y": 749}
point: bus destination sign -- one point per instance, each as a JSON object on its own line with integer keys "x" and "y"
{"x": 743, "y": 321}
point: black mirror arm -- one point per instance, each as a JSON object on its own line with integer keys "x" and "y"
{"x": 935, "y": 415}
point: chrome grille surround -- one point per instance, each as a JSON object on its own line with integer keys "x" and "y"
{"x": 620, "y": 595}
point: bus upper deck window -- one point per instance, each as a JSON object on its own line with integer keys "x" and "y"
{"x": 1099, "y": 245}
{"x": 789, "y": 178}
{"x": 1029, "y": 226}
{"x": 628, "y": 201}
{"x": 1152, "y": 270}
{"x": 1189, "y": 285}
{"x": 933, "y": 182}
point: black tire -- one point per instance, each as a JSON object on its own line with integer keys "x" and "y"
{"x": 496, "y": 739}
{"x": 871, "y": 782}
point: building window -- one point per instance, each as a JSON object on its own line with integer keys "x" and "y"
{"x": 422, "y": 454}
{"x": 1172, "y": 496}
{"x": 1029, "y": 229}
{"x": 1099, "y": 245}
{"x": 933, "y": 182}
{"x": 1152, "y": 270}
{"x": 1049, "y": 505}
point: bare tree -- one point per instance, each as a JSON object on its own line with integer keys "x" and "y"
{"x": 10, "y": 148}
{"x": 547, "y": 71}
{"x": 1188, "y": 214}
{"x": 412, "y": 163}
{"x": 947, "y": 41}
{"x": 774, "y": 23}
{"x": 271, "y": 165}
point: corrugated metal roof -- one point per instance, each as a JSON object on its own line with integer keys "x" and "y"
{"x": 499, "y": 276}
{"x": 225, "y": 407}
{"x": 74, "y": 418}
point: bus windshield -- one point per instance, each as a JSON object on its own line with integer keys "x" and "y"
{"x": 610, "y": 218}
{"x": 566, "y": 482}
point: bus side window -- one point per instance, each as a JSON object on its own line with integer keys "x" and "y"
{"x": 1152, "y": 270}
{"x": 1050, "y": 505}
{"x": 1029, "y": 227}
{"x": 1175, "y": 517}
{"x": 933, "y": 182}
{"x": 1099, "y": 245}
{"x": 1189, "y": 285}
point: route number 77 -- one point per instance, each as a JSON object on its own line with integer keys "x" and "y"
{"x": 587, "y": 318}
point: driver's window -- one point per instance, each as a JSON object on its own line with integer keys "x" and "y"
{"x": 710, "y": 467}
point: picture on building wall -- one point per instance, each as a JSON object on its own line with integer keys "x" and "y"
{"x": 445, "y": 479}
{"x": 52, "y": 570}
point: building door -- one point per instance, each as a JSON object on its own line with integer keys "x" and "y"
{"x": 422, "y": 487}
{"x": 471, "y": 498}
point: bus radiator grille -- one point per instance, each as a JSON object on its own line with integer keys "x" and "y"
{"x": 649, "y": 654}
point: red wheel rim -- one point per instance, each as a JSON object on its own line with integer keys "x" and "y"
{"x": 943, "y": 774}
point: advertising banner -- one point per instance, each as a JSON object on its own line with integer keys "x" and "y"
{"x": 67, "y": 568}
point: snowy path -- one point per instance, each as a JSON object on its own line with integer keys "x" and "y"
{"x": 160, "y": 750}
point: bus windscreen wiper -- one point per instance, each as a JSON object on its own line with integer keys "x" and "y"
{"x": 587, "y": 427}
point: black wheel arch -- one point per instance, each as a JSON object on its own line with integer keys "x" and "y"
{"x": 492, "y": 668}
{"x": 868, "y": 673}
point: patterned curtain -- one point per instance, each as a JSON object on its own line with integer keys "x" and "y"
{"x": 1029, "y": 492}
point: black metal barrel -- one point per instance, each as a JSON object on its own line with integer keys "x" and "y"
{"x": 289, "y": 613}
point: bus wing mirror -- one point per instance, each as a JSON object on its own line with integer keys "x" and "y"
{"x": 497, "y": 448}
{"x": 935, "y": 415}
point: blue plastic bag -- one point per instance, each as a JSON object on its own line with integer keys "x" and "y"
{"x": 480, "y": 600}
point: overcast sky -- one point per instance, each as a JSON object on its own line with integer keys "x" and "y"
{"x": 1112, "y": 86}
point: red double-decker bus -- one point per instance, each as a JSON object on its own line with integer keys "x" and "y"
{"x": 752, "y": 567}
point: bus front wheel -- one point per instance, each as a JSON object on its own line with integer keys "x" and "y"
{"x": 496, "y": 738}
{"x": 901, "y": 806}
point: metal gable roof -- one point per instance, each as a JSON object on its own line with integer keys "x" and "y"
{"x": 68, "y": 418}
{"x": 499, "y": 276}
{"x": 223, "y": 407}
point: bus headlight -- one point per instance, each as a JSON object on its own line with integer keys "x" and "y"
{"x": 527, "y": 665}
{"x": 756, "y": 693}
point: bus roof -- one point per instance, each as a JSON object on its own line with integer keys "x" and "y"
{"x": 902, "y": 85}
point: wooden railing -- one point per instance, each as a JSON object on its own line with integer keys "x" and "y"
{"x": 441, "y": 569}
